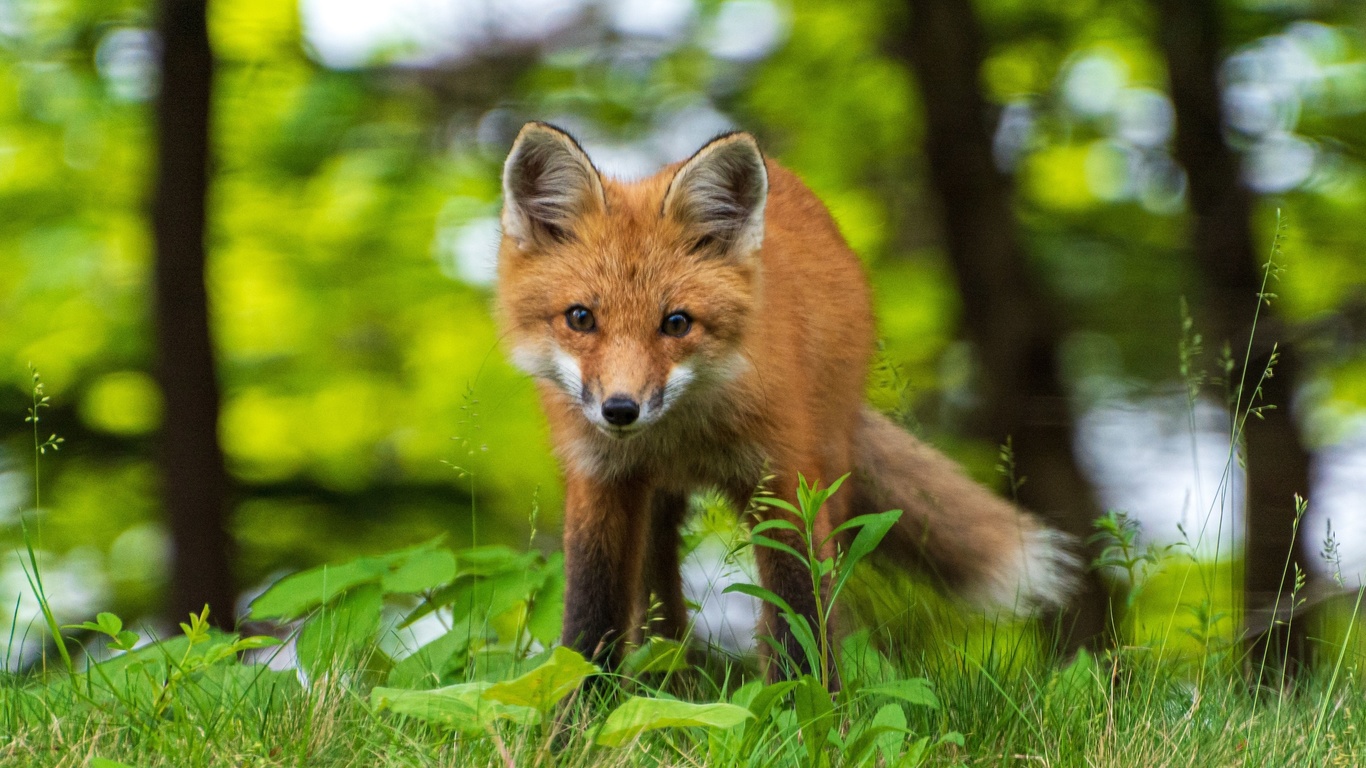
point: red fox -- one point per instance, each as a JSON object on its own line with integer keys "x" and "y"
{"x": 699, "y": 329}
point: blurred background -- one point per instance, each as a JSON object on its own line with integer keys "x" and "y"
{"x": 1065, "y": 209}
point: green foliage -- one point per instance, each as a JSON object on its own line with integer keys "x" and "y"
{"x": 829, "y": 573}
{"x": 546, "y": 685}
{"x": 1120, "y": 551}
{"x": 464, "y": 707}
{"x": 656, "y": 655}
{"x": 482, "y": 679}
{"x": 111, "y": 625}
{"x": 415, "y": 570}
{"x": 639, "y": 714}
{"x": 206, "y": 698}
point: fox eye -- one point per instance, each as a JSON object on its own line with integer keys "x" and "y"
{"x": 580, "y": 319}
{"x": 676, "y": 324}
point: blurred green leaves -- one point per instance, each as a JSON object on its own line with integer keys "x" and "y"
{"x": 346, "y": 204}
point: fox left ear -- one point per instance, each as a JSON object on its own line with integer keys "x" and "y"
{"x": 719, "y": 195}
{"x": 548, "y": 184}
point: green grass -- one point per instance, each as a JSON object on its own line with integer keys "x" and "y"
{"x": 1121, "y": 711}
{"x": 937, "y": 686}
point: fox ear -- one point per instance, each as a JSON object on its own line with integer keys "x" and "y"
{"x": 548, "y": 184}
{"x": 719, "y": 195}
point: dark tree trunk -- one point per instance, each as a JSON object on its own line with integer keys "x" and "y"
{"x": 1006, "y": 315}
{"x": 1229, "y": 262}
{"x": 194, "y": 481}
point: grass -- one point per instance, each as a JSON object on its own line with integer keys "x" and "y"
{"x": 930, "y": 686}
{"x": 924, "y": 683}
{"x": 1120, "y": 710}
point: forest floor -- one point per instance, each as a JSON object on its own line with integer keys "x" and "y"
{"x": 488, "y": 692}
{"x": 1123, "y": 712}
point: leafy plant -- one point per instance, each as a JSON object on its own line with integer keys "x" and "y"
{"x": 639, "y": 714}
{"x": 829, "y": 574}
{"x": 817, "y": 708}
{"x": 1121, "y": 551}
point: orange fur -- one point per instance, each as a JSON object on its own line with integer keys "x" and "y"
{"x": 769, "y": 376}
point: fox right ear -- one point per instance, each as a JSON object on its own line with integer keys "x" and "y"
{"x": 719, "y": 195}
{"x": 548, "y": 183}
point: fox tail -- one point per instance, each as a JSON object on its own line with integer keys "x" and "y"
{"x": 975, "y": 543}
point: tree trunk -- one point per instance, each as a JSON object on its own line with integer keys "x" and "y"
{"x": 1006, "y": 315}
{"x": 1229, "y": 262}
{"x": 194, "y": 481}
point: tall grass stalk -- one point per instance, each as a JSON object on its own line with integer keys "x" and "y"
{"x": 32, "y": 573}
{"x": 1243, "y": 404}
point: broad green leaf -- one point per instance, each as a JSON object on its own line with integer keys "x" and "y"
{"x": 295, "y": 595}
{"x": 488, "y": 560}
{"x": 462, "y": 707}
{"x": 743, "y": 695}
{"x": 656, "y": 656}
{"x": 101, "y": 762}
{"x": 422, "y": 571}
{"x": 914, "y": 690}
{"x": 109, "y": 623}
{"x": 815, "y": 715}
{"x": 427, "y": 666}
{"x": 861, "y": 663}
{"x": 253, "y": 685}
{"x": 766, "y": 697}
{"x": 338, "y": 631}
{"x": 639, "y": 714}
{"x": 543, "y": 687}
{"x": 547, "y": 605}
{"x": 889, "y": 743}
{"x": 474, "y": 601}
{"x": 496, "y": 664}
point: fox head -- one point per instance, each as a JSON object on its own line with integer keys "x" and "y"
{"x": 627, "y": 297}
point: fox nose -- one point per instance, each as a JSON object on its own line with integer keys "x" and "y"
{"x": 620, "y": 410}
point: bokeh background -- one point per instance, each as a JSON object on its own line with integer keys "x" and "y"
{"x": 353, "y": 196}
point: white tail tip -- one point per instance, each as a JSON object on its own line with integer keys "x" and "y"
{"x": 1041, "y": 574}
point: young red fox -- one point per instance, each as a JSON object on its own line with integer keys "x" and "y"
{"x": 698, "y": 329}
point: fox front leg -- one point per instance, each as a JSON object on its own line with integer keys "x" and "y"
{"x": 604, "y": 545}
{"x": 663, "y": 576}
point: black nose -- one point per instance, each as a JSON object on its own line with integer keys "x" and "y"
{"x": 620, "y": 410}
